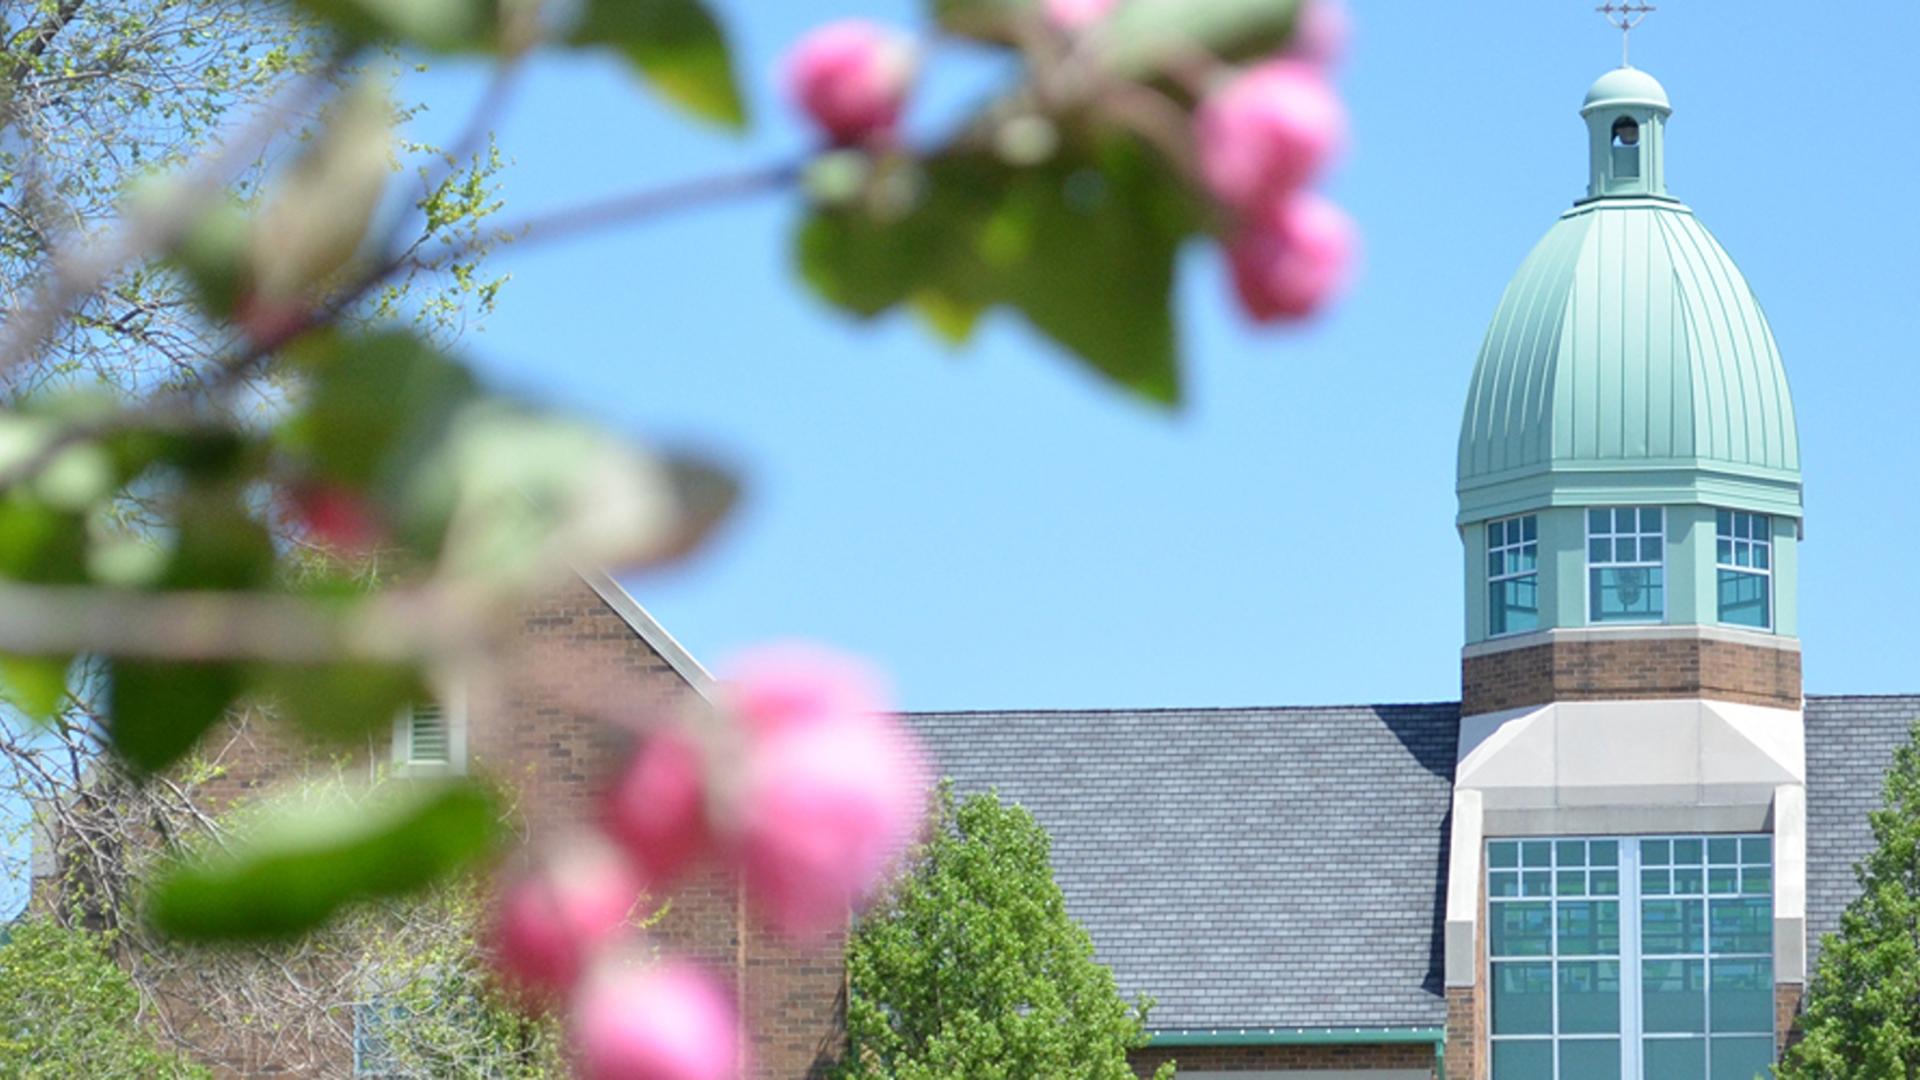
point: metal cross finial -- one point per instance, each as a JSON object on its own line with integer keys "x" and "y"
{"x": 1624, "y": 17}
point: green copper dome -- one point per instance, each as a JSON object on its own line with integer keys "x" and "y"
{"x": 1629, "y": 361}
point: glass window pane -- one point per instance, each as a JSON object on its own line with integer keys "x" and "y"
{"x": 1571, "y": 852}
{"x": 1503, "y": 854}
{"x": 1756, "y": 881}
{"x": 1589, "y": 928}
{"x": 1651, "y": 518}
{"x": 1656, "y": 882}
{"x": 1723, "y": 522}
{"x": 1656, "y": 852}
{"x": 1723, "y": 879}
{"x": 1675, "y": 1059}
{"x": 1668, "y": 927}
{"x": 1522, "y": 929}
{"x": 1536, "y": 853}
{"x": 1688, "y": 879}
{"x": 1761, "y": 557}
{"x": 1724, "y": 552}
{"x": 1529, "y": 528}
{"x": 1522, "y": 1060}
{"x": 1590, "y": 1059}
{"x": 1742, "y": 926}
{"x": 1604, "y": 852}
{"x": 1741, "y": 1059}
{"x": 1590, "y": 997}
{"x": 1599, "y": 551}
{"x": 1687, "y": 851}
{"x": 1741, "y": 996}
{"x": 1650, "y": 549}
{"x": 1522, "y": 999}
{"x": 1536, "y": 883}
{"x": 1673, "y": 997}
{"x": 1570, "y": 883}
{"x": 1605, "y": 883}
{"x": 1503, "y": 883}
{"x": 1756, "y": 849}
{"x": 1597, "y": 521}
{"x": 1723, "y": 850}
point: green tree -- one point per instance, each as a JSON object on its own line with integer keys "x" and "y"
{"x": 1863, "y": 1010}
{"x": 971, "y": 967}
{"x": 69, "y": 1010}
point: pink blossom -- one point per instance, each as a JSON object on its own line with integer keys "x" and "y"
{"x": 657, "y": 807}
{"x": 1320, "y": 35}
{"x": 1076, "y": 15}
{"x": 549, "y": 922}
{"x": 852, "y": 78}
{"x": 1293, "y": 258}
{"x": 828, "y": 808}
{"x": 337, "y": 518}
{"x": 668, "y": 1022}
{"x": 798, "y": 685}
{"x": 1267, "y": 133}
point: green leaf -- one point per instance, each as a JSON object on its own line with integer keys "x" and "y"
{"x": 217, "y": 543}
{"x": 378, "y": 403}
{"x": 35, "y": 685}
{"x": 345, "y": 701}
{"x": 158, "y": 711}
{"x": 678, "y": 45}
{"x": 1083, "y": 246}
{"x": 436, "y": 25}
{"x": 1142, "y": 36}
{"x": 313, "y": 856}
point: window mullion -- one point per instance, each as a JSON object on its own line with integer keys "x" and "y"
{"x": 1631, "y": 1067}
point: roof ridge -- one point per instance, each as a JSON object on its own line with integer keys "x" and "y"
{"x": 1160, "y": 709}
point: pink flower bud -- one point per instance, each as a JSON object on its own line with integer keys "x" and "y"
{"x": 1077, "y": 15}
{"x": 669, "y": 1022}
{"x": 797, "y": 685}
{"x": 828, "y": 809}
{"x": 1293, "y": 258}
{"x": 852, "y": 78}
{"x": 1320, "y": 36}
{"x": 551, "y": 921}
{"x": 657, "y": 807}
{"x": 337, "y": 518}
{"x": 1267, "y": 133}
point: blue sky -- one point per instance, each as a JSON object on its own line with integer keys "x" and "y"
{"x": 1000, "y": 531}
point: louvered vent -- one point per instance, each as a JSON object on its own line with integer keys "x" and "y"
{"x": 427, "y": 741}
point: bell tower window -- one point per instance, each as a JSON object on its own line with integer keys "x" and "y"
{"x": 1626, "y": 564}
{"x": 1513, "y": 575}
{"x": 1626, "y": 148}
{"x": 1743, "y": 546}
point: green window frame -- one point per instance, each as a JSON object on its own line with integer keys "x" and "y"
{"x": 1743, "y": 554}
{"x": 1630, "y": 958}
{"x": 1626, "y": 564}
{"x": 1513, "y": 575}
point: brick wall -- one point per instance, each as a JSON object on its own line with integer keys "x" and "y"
{"x": 1629, "y": 669}
{"x": 1787, "y": 998}
{"x": 1250, "y": 1058}
{"x": 553, "y": 723}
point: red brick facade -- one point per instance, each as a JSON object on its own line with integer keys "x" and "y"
{"x": 1360, "y": 1056}
{"x": 1629, "y": 669}
{"x": 550, "y": 727}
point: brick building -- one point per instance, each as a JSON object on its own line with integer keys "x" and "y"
{"x": 1612, "y": 858}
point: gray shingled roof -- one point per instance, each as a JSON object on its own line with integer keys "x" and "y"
{"x": 1286, "y": 867}
{"x": 1247, "y": 868}
{"x": 1850, "y": 744}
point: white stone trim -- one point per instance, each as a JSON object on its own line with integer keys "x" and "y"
{"x": 1790, "y": 884}
{"x": 1759, "y": 639}
{"x": 650, "y": 631}
{"x": 1468, "y": 836}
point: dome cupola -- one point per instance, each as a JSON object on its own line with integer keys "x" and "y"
{"x": 1630, "y": 375}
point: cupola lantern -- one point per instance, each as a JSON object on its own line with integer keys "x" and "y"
{"x": 1626, "y": 113}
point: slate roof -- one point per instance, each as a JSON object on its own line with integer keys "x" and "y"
{"x": 1245, "y": 867}
{"x": 1285, "y": 867}
{"x": 1850, "y": 744}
